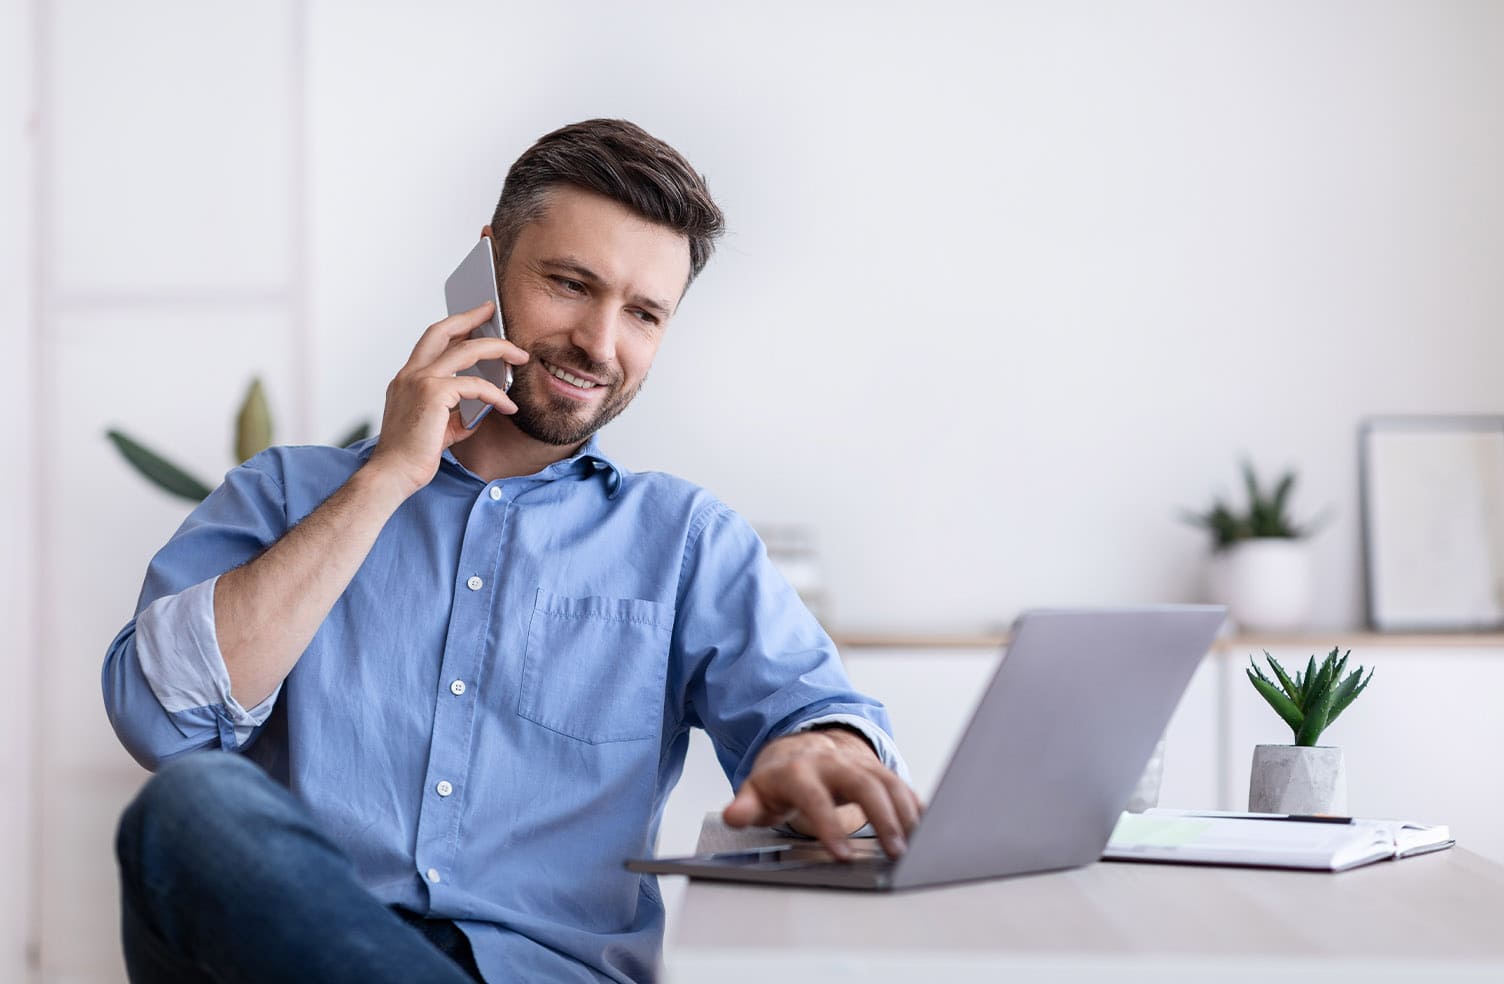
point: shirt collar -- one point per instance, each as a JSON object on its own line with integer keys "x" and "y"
{"x": 588, "y": 460}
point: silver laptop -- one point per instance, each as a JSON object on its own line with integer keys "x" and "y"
{"x": 1042, "y": 771}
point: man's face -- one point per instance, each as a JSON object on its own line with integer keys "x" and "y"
{"x": 587, "y": 292}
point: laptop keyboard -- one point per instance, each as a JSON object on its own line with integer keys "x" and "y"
{"x": 869, "y": 856}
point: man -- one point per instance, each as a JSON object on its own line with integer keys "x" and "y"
{"x": 467, "y": 663}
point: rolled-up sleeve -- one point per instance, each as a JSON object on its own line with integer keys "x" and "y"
{"x": 166, "y": 687}
{"x": 756, "y": 664}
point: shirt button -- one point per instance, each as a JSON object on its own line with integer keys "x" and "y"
{"x": 495, "y": 493}
{"x": 444, "y": 787}
{"x": 474, "y": 583}
{"x": 433, "y": 875}
{"x": 457, "y": 688}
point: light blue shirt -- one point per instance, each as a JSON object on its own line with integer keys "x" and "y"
{"x": 493, "y": 714}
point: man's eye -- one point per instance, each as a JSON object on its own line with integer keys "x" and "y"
{"x": 573, "y": 286}
{"x": 644, "y": 316}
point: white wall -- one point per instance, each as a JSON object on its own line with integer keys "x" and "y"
{"x": 18, "y": 596}
{"x": 1006, "y": 284}
{"x": 168, "y": 234}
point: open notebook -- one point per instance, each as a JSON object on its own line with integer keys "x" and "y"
{"x": 1268, "y": 840}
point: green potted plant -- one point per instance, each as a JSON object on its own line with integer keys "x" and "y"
{"x": 1261, "y": 561}
{"x": 1304, "y": 777}
{"x": 253, "y": 434}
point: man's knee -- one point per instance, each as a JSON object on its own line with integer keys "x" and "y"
{"x": 185, "y": 798}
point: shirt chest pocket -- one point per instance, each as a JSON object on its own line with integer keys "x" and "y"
{"x": 594, "y": 668}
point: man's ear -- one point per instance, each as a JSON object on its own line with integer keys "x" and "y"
{"x": 485, "y": 230}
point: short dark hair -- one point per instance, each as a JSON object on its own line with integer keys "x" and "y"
{"x": 625, "y": 163}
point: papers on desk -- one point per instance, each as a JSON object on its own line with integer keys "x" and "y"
{"x": 1268, "y": 840}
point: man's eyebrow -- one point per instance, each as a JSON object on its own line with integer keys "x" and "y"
{"x": 573, "y": 265}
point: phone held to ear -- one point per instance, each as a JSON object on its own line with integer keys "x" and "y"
{"x": 472, "y": 284}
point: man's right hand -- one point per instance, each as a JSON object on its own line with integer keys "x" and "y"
{"x": 420, "y": 419}
{"x": 267, "y": 611}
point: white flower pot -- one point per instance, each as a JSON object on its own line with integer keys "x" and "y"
{"x": 1146, "y": 794}
{"x": 1267, "y": 584}
{"x": 1295, "y": 779}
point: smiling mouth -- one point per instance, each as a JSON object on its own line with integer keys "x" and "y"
{"x": 565, "y": 376}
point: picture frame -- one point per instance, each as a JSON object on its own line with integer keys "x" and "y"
{"x": 1432, "y": 491}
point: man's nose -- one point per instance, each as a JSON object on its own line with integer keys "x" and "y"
{"x": 595, "y": 334}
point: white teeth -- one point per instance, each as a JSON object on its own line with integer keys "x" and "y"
{"x": 571, "y": 379}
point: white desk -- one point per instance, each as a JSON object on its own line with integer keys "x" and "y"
{"x": 1434, "y": 918}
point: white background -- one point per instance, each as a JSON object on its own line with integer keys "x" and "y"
{"x": 1006, "y": 286}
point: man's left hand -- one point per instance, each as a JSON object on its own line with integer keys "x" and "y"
{"x": 826, "y": 784}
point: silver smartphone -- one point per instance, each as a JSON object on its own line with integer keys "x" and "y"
{"x": 472, "y": 284}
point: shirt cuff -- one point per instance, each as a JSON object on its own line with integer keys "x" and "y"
{"x": 178, "y": 651}
{"x": 886, "y": 750}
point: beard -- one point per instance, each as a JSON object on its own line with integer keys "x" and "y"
{"x": 550, "y": 418}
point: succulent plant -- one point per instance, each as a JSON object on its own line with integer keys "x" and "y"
{"x": 1266, "y": 516}
{"x": 1312, "y": 700}
{"x": 253, "y": 434}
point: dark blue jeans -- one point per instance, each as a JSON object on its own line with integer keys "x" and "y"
{"x": 224, "y": 877}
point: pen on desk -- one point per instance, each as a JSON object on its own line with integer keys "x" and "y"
{"x": 1284, "y": 817}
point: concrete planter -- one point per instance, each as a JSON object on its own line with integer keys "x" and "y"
{"x": 1267, "y": 584}
{"x": 1293, "y": 779}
